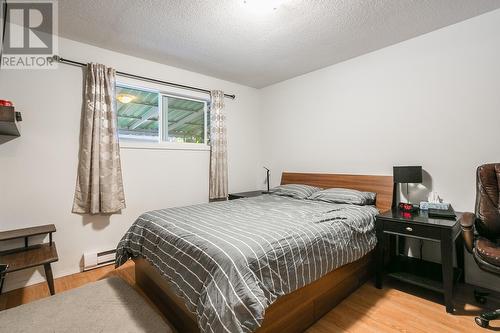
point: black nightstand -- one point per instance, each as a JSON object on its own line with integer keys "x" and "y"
{"x": 233, "y": 196}
{"x": 438, "y": 277}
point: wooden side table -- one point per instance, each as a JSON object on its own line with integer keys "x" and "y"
{"x": 30, "y": 255}
{"x": 3, "y": 269}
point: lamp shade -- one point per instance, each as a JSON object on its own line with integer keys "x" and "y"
{"x": 407, "y": 174}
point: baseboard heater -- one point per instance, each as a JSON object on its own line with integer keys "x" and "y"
{"x": 98, "y": 259}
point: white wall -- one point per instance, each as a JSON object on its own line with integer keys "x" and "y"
{"x": 38, "y": 170}
{"x": 432, "y": 101}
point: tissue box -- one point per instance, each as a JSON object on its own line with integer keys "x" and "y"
{"x": 424, "y": 205}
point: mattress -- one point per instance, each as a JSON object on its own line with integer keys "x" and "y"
{"x": 231, "y": 260}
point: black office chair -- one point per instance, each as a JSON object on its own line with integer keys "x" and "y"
{"x": 481, "y": 231}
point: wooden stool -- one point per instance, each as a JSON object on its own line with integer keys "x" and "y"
{"x": 30, "y": 255}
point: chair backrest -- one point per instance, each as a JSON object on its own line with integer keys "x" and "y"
{"x": 488, "y": 201}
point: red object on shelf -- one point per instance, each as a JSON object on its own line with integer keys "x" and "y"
{"x": 4, "y": 102}
{"x": 407, "y": 207}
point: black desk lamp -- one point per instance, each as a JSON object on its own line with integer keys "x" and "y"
{"x": 267, "y": 179}
{"x": 407, "y": 174}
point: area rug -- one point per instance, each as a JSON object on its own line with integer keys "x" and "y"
{"x": 109, "y": 305}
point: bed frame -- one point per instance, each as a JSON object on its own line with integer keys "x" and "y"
{"x": 300, "y": 309}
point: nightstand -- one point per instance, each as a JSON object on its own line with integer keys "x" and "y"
{"x": 438, "y": 277}
{"x": 233, "y": 196}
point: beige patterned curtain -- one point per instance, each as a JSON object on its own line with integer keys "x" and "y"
{"x": 218, "y": 147}
{"x": 99, "y": 186}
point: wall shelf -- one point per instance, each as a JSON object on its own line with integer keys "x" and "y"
{"x": 8, "y": 122}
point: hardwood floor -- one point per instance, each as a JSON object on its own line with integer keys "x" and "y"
{"x": 402, "y": 308}
{"x": 396, "y": 308}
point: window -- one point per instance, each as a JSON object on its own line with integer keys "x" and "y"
{"x": 138, "y": 113}
{"x": 148, "y": 115}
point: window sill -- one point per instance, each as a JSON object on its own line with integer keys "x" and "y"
{"x": 164, "y": 146}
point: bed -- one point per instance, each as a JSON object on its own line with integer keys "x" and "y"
{"x": 265, "y": 264}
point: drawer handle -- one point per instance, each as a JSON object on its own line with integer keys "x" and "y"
{"x": 409, "y": 229}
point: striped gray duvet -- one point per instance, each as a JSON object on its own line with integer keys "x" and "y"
{"x": 230, "y": 260}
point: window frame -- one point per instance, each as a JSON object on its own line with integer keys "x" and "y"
{"x": 131, "y": 142}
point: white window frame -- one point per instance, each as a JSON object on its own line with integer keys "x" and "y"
{"x": 139, "y": 142}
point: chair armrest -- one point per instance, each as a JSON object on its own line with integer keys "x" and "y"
{"x": 467, "y": 223}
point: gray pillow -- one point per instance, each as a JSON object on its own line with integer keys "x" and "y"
{"x": 344, "y": 195}
{"x": 297, "y": 191}
{"x": 371, "y": 198}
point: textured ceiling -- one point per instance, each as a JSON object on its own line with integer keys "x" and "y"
{"x": 229, "y": 40}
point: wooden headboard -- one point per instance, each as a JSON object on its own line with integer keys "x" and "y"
{"x": 382, "y": 185}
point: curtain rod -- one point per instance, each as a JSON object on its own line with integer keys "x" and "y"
{"x": 142, "y": 78}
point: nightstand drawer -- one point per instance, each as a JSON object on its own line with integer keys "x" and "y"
{"x": 411, "y": 229}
